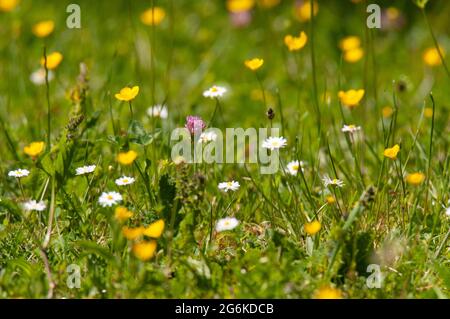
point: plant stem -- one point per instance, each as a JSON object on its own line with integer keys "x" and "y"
{"x": 131, "y": 110}
{"x": 436, "y": 44}
{"x": 313, "y": 64}
{"x": 47, "y": 88}
{"x": 430, "y": 152}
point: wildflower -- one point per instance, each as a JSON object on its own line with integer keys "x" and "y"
{"x": 153, "y": 16}
{"x": 206, "y": 137}
{"x": 353, "y": 55}
{"x": 333, "y": 182}
{"x": 158, "y": 111}
{"x": 303, "y": 11}
{"x": 447, "y": 211}
{"x": 254, "y": 64}
{"x": 132, "y": 233}
{"x": 328, "y": 292}
{"x": 108, "y": 199}
{"x": 155, "y": 229}
{"x": 34, "y": 205}
{"x": 144, "y": 250}
{"x": 43, "y": 28}
{"x": 350, "y": 43}
{"x": 387, "y": 111}
{"x": 8, "y": 5}
{"x": 428, "y": 112}
{"x": 38, "y": 76}
{"x": 312, "y": 228}
{"x": 237, "y": 6}
{"x": 18, "y": 173}
{"x": 415, "y": 178}
{"x": 351, "y": 98}
{"x": 274, "y": 143}
{"x": 330, "y": 199}
{"x": 227, "y": 223}
{"x": 431, "y": 56}
{"x": 126, "y": 158}
{"x": 296, "y": 43}
{"x": 123, "y": 181}
{"x": 226, "y": 186}
{"x": 34, "y": 149}
{"x": 85, "y": 169}
{"x": 350, "y": 128}
{"x": 293, "y": 167}
{"x": 53, "y": 60}
{"x": 127, "y": 93}
{"x": 214, "y": 91}
{"x": 122, "y": 213}
{"x": 392, "y": 152}
{"x": 351, "y": 48}
{"x": 194, "y": 124}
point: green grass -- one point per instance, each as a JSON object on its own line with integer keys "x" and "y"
{"x": 378, "y": 217}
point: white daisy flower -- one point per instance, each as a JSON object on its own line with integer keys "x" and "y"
{"x": 125, "y": 180}
{"x": 274, "y": 143}
{"x": 19, "y": 173}
{"x": 109, "y": 199}
{"x": 85, "y": 169}
{"x": 158, "y": 111}
{"x": 227, "y": 223}
{"x": 206, "y": 137}
{"x": 214, "y": 91}
{"x": 293, "y": 167}
{"x": 38, "y": 76}
{"x": 34, "y": 205}
{"x": 350, "y": 128}
{"x": 447, "y": 211}
{"x": 333, "y": 182}
{"x": 226, "y": 186}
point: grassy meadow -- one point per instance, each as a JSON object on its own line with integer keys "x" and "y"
{"x": 93, "y": 205}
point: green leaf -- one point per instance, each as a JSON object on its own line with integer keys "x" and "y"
{"x": 94, "y": 248}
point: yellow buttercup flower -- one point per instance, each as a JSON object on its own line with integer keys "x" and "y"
{"x": 53, "y": 60}
{"x": 392, "y": 152}
{"x": 296, "y": 43}
{"x": 327, "y": 292}
{"x": 349, "y": 43}
{"x": 122, "y": 214}
{"x": 144, "y": 250}
{"x": 236, "y": 6}
{"x": 431, "y": 56}
{"x": 153, "y": 16}
{"x": 303, "y": 11}
{"x": 392, "y": 13}
{"x": 43, "y": 28}
{"x": 351, "y": 98}
{"x": 428, "y": 112}
{"x": 126, "y": 158}
{"x": 353, "y": 55}
{"x": 155, "y": 229}
{"x": 8, "y": 5}
{"x": 254, "y": 64}
{"x": 387, "y": 111}
{"x": 127, "y": 93}
{"x": 330, "y": 199}
{"x": 132, "y": 233}
{"x": 312, "y": 228}
{"x": 415, "y": 178}
{"x": 34, "y": 149}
